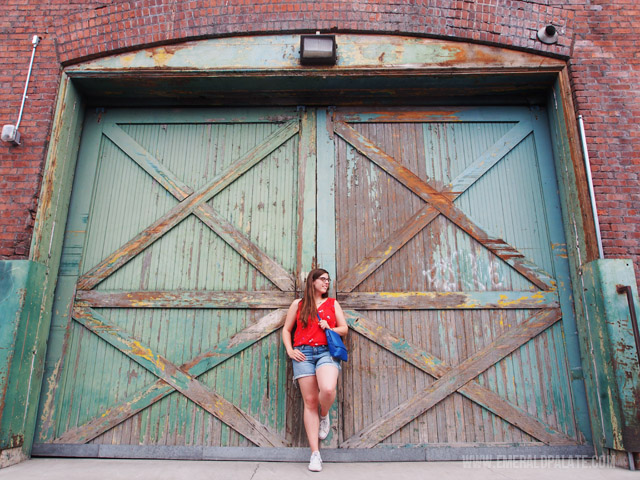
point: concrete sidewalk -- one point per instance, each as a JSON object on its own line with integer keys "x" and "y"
{"x": 81, "y": 469}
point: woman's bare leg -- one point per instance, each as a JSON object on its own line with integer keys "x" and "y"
{"x": 309, "y": 389}
{"x": 327, "y": 381}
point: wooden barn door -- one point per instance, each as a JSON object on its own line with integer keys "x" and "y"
{"x": 189, "y": 231}
{"x": 451, "y": 263}
{"x": 186, "y": 234}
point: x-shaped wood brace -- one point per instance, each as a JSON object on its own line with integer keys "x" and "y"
{"x": 172, "y": 377}
{"x": 475, "y": 392}
{"x": 439, "y": 202}
{"x": 457, "y": 379}
{"x": 193, "y": 202}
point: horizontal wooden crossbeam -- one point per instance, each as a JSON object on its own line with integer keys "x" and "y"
{"x": 183, "y": 299}
{"x": 448, "y": 300}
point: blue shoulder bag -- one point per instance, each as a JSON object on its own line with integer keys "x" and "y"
{"x": 335, "y": 344}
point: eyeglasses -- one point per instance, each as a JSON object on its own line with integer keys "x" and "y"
{"x": 324, "y": 279}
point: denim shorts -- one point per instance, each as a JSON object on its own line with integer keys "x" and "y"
{"x": 316, "y": 356}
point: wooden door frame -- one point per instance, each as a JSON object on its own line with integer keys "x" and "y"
{"x": 77, "y": 90}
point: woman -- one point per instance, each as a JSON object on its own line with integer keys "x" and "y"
{"x": 315, "y": 370}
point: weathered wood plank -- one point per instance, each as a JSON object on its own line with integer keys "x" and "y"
{"x": 452, "y": 380}
{"x": 186, "y": 207}
{"x": 307, "y": 158}
{"x": 448, "y": 300}
{"x": 435, "y": 367}
{"x": 183, "y": 299}
{"x": 185, "y": 383}
{"x": 402, "y": 115}
{"x": 443, "y": 202}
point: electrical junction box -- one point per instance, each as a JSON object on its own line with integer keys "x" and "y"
{"x": 10, "y": 134}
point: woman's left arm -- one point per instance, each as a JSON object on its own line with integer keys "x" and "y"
{"x": 341, "y": 327}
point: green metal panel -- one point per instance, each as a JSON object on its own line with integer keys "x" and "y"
{"x": 135, "y": 168}
{"x": 616, "y": 359}
{"x": 21, "y": 288}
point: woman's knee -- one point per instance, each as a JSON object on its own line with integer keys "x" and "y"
{"x": 328, "y": 391}
{"x": 311, "y": 400}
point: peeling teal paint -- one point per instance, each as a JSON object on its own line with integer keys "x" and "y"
{"x": 274, "y": 52}
{"x": 21, "y": 284}
{"x": 615, "y": 358}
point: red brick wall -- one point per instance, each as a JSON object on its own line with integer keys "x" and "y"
{"x": 605, "y": 68}
{"x": 597, "y": 36}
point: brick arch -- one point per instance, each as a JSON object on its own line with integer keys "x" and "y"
{"x": 129, "y": 25}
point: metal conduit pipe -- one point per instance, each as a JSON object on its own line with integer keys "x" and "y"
{"x": 594, "y": 209}
{"x": 35, "y": 41}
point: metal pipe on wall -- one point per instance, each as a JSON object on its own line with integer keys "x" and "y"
{"x": 594, "y": 209}
{"x": 35, "y": 41}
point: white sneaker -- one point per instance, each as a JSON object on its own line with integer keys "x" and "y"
{"x": 325, "y": 426}
{"x": 315, "y": 464}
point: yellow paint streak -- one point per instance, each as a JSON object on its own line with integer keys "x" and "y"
{"x": 160, "y": 56}
{"x": 468, "y": 305}
{"x": 140, "y": 303}
{"x": 428, "y": 361}
{"x": 504, "y": 302}
{"x": 403, "y": 294}
{"x": 138, "y": 350}
{"x": 127, "y": 60}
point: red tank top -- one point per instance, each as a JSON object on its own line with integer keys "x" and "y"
{"x": 313, "y": 334}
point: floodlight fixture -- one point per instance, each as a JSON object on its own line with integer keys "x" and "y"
{"x": 318, "y": 49}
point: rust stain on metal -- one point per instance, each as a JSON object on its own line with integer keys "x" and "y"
{"x": 459, "y": 54}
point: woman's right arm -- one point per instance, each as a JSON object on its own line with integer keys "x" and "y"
{"x": 289, "y": 322}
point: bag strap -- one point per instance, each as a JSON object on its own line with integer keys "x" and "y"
{"x": 318, "y": 315}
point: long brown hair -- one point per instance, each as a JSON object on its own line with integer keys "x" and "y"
{"x": 307, "y": 306}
